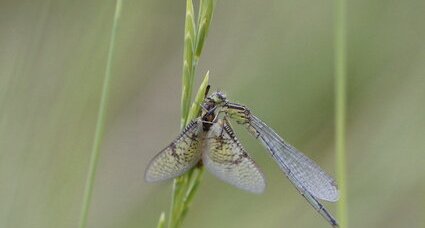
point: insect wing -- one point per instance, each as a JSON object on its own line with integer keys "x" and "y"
{"x": 309, "y": 179}
{"x": 178, "y": 157}
{"x": 305, "y": 173}
{"x": 225, "y": 157}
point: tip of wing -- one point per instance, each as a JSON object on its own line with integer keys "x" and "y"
{"x": 149, "y": 177}
{"x": 153, "y": 174}
{"x": 250, "y": 180}
{"x": 258, "y": 189}
{"x": 331, "y": 195}
{"x": 332, "y": 198}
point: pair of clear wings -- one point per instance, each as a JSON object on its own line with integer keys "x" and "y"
{"x": 225, "y": 157}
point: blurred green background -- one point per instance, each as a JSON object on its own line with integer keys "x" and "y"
{"x": 276, "y": 57}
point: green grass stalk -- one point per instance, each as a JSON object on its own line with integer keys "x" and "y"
{"x": 340, "y": 108}
{"x": 185, "y": 186}
{"x": 161, "y": 221}
{"x": 100, "y": 123}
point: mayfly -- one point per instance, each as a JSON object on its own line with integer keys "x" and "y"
{"x": 210, "y": 138}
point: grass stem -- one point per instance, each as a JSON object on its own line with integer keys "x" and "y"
{"x": 100, "y": 123}
{"x": 340, "y": 108}
{"x": 185, "y": 186}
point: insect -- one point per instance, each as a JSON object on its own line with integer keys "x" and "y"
{"x": 210, "y": 138}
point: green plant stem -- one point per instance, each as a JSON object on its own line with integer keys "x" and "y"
{"x": 340, "y": 108}
{"x": 185, "y": 186}
{"x": 188, "y": 62}
{"x": 161, "y": 220}
{"x": 100, "y": 123}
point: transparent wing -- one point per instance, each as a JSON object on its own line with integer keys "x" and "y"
{"x": 178, "y": 157}
{"x": 309, "y": 179}
{"x": 225, "y": 157}
{"x": 304, "y": 172}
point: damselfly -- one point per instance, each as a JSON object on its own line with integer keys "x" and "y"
{"x": 210, "y": 138}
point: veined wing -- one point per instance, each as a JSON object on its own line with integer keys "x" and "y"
{"x": 178, "y": 157}
{"x": 225, "y": 157}
{"x": 305, "y": 172}
{"x": 310, "y": 180}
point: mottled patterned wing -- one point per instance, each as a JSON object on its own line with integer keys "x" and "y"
{"x": 177, "y": 158}
{"x": 225, "y": 157}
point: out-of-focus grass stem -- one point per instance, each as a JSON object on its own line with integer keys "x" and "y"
{"x": 100, "y": 123}
{"x": 340, "y": 107}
